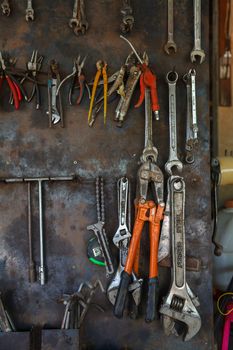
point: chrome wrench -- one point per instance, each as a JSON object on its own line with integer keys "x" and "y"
{"x": 78, "y": 22}
{"x": 6, "y": 10}
{"x": 173, "y": 160}
{"x": 128, "y": 19}
{"x": 178, "y": 305}
{"x": 29, "y": 11}
{"x": 170, "y": 45}
{"x": 197, "y": 50}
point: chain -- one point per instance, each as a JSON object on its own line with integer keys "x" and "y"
{"x": 102, "y": 201}
{"x": 98, "y": 199}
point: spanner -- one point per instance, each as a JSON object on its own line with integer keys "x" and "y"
{"x": 197, "y": 50}
{"x": 121, "y": 239}
{"x": 128, "y": 19}
{"x": 170, "y": 46}
{"x": 178, "y": 305}
{"x": 29, "y": 11}
{"x": 173, "y": 160}
{"x": 79, "y": 22}
{"x": 6, "y": 10}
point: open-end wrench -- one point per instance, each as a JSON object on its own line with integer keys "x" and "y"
{"x": 197, "y": 50}
{"x": 6, "y": 10}
{"x": 173, "y": 160}
{"x": 128, "y": 19}
{"x": 170, "y": 45}
{"x": 29, "y": 11}
{"x": 79, "y": 22}
{"x": 178, "y": 304}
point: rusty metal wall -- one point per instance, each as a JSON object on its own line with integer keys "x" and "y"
{"x": 30, "y": 148}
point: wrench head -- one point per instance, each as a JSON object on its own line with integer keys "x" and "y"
{"x": 173, "y": 163}
{"x": 55, "y": 118}
{"x": 188, "y": 315}
{"x": 73, "y": 23}
{"x": 121, "y": 234}
{"x": 197, "y": 53}
{"x": 170, "y": 47}
{"x": 6, "y": 10}
{"x": 29, "y": 15}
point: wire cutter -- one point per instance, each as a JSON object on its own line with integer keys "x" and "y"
{"x": 146, "y": 211}
{"x": 78, "y": 81}
{"x": 101, "y": 70}
{"x": 147, "y": 80}
{"x": 12, "y": 82}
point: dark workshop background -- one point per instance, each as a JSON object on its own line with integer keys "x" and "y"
{"x": 30, "y": 149}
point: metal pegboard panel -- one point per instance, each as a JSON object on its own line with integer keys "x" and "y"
{"x": 30, "y": 148}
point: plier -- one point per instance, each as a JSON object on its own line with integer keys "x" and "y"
{"x": 101, "y": 71}
{"x": 33, "y": 67}
{"x": 78, "y": 81}
{"x": 12, "y": 83}
{"x": 147, "y": 80}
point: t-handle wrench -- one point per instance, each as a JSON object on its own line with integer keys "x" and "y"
{"x": 173, "y": 160}
{"x": 170, "y": 46}
{"x": 197, "y": 50}
{"x": 29, "y": 11}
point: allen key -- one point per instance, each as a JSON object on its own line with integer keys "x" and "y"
{"x": 39, "y": 180}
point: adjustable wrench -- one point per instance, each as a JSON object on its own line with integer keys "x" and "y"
{"x": 6, "y": 10}
{"x": 29, "y": 11}
{"x": 178, "y": 304}
{"x": 197, "y": 50}
{"x": 121, "y": 239}
{"x": 128, "y": 19}
{"x": 173, "y": 160}
{"x": 170, "y": 46}
{"x": 79, "y": 22}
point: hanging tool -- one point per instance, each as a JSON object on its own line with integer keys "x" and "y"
{"x": 12, "y": 82}
{"x": 33, "y": 68}
{"x": 79, "y": 22}
{"x": 5, "y": 6}
{"x": 78, "y": 81}
{"x": 32, "y": 266}
{"x": 101, "y": 70}
{"x": 29, "y": 11}
{"x": 225, "y": 52}
{"x": 78, "y": 304}
{"x": 197, "y": 50}
{"x": 39, "y": 181}
{"x": 147, "y": 80}
{"x": 99, "y": 229}
{"x": 170, "y": 45}
{"x": 227, "y": 326}
{"x": 146, "y": 211}
{"x": 121, "y": 239}
{"x": 191, "y": 122}
{"x": 173, "y": 160}
{"x": 127, "y": 19}
{"x": 55, "y": 112}
{"x": 179, "y": 304}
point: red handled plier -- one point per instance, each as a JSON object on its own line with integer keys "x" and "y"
{"x": 17, "y": 96}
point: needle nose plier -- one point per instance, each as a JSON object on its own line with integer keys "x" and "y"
{"x": 101, "y": 70}
{"x": 12, "y": 82}
{"x": 78, "y": 81}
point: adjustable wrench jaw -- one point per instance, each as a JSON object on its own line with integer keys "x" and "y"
{"x": 174, "y": 308}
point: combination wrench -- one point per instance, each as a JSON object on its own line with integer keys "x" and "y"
{"x": 173, "y": 160}
{"x": 178, "y": 304}
{"x": 6, "y": 10}
{"x": 197, "y": 50}
{"x": 170, "y": 45}
{"x": 29, "y": 11}
{"x": 127, "y": 19}
{"x": 78, "y": 22}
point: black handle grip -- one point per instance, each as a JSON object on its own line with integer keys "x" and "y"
{"x": 152, "y": 300}
{"x": 122, "y": 294}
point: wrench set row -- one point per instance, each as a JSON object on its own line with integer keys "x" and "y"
{"x": 80, "y": 25}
